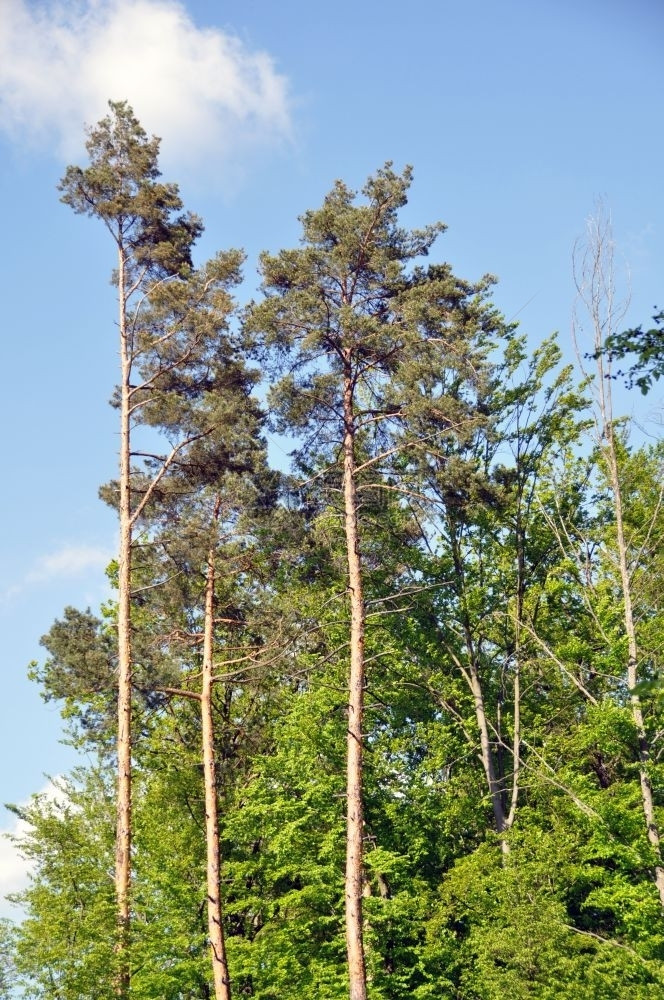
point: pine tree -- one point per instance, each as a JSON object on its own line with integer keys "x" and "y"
{"x": 373, "y": 342}
{"x": 120, "y": 187}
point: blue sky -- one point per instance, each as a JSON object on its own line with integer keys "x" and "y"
{"x": 516, "y": 116}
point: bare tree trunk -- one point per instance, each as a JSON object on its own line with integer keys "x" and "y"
{"x": 123, "y": 829}
{"x": 354, "y": 790}
{"x": 516, "y": 708}
{"x": 493, "y": 782}
{"x": 595, "y": 282}
{"x": 222, "y": 983}
{"x": 472, "y": 678}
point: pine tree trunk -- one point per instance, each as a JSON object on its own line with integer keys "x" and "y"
{"x": 222, "y": 983}
{"x": 123, "y": 830}
{"x": 354, "y": 790}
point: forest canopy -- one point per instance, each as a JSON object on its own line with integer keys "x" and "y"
{"x": 383, "y": 724}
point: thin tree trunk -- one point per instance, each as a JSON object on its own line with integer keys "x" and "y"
{"x": 354, "y": 790}
{"x": 473, "y": 680}
{"x": 123, "y": 830}
{"x": 494, "y": 784}
{"x": 222, "y": 983}
{"x": 516, "y": 732}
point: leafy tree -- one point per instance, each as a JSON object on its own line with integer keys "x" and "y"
{"x": 7, "y": 972}
{"x": 646, "y": 345}
{"x": 352, "y": 685}
{"x": 65, "y": 945}
{"x": 487, "y": 557}
{"x": 517, "y": 927}
{"x": 285, "y": 860}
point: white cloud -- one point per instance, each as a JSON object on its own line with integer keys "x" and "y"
{"x": 14, "y": 868}
{"x": 201, "y": 89}
{"x": 67, "y": 562}
{"x": 71, "y": 560}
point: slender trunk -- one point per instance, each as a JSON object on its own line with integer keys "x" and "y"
{"x": 516, "y": 753}
{"x": 516, "y": 732}
{"x": 222, "y": 983}
{"x": 354, "y": 791}
{"x": 494, "y": 784}
{"x": 472, "y": 678}
{"x": 123, "y": 830}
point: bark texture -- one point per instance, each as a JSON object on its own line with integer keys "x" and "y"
{"x": 123, "y": 829}
{"x": 222, "y": 983}
{"x": 354, "y": 757}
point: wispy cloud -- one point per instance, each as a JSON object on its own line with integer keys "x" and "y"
{"x": 67, "y": 562}
{"x": 72, "y": 560}
{"x": 201, "y": 89}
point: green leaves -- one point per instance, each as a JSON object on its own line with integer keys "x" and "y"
{"x": 647, "y": 346}
{"x": 497, "y": 713}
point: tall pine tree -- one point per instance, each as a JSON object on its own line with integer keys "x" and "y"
{"x": 153, "y": 240}
{"x": 372, "y": 342}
